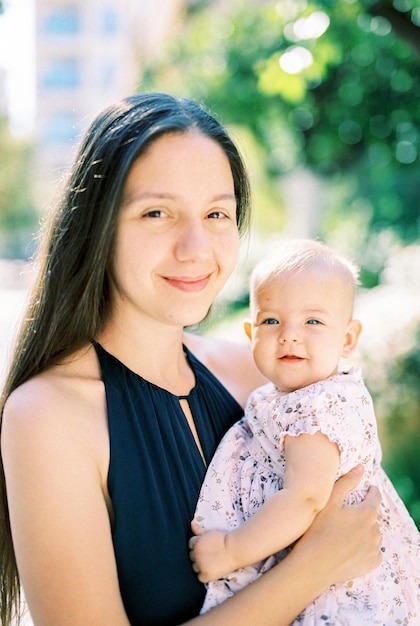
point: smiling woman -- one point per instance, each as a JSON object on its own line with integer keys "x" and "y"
{"x": 111, "y": 412}
{"x": 170, "y": 237}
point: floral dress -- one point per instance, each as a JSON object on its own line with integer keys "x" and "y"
{"x": 248, "y": 468}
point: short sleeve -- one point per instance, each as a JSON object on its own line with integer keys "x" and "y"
{"x": 341, "y": 410}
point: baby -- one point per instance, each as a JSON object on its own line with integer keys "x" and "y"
{"x": 275, "y": 469}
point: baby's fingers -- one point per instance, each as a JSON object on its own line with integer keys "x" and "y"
{"x": 195, "y": 566}
{"x": 191, "y": 543}
{"x": 196, "y": 528}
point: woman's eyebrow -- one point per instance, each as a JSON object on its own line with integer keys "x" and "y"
{"x": 146, "y": 195}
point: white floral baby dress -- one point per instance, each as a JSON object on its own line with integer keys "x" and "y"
{"x": 248, "y": 467}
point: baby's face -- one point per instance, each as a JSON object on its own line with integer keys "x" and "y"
{"x": 301, "y": 327}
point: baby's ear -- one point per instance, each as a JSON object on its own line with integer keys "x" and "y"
{"x": 351, "y": 337}
{"x": 248, "y": 329}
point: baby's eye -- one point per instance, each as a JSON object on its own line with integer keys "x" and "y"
{"x": 313, "y": 322}
{"x": 270, "y": 320}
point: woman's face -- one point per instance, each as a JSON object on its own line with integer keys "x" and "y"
{"x": 177, "y": 240}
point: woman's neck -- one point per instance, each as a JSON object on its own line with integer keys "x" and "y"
{"x": 156, "y": 354}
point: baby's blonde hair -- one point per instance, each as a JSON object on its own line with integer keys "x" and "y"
{"x": 299, "y": 255}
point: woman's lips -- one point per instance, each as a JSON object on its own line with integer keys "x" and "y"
{"x": 189, "y": 285}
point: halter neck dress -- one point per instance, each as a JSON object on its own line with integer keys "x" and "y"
{"x": 154, "y": 480}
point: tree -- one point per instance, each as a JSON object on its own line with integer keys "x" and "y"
{"x": 18, "y": 217}
{"x": 333, "y": 87}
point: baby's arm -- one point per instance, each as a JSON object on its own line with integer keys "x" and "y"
{"x": 310, "y": 472}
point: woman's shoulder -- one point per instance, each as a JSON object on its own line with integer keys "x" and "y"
{"x": 73, "y": 373}
{"x": 64, "y": 399}
{"x": 230, "y": 362}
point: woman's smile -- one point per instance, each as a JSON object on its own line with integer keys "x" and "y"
{"x": 189, "y": 284}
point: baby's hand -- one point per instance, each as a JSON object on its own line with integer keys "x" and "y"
{"x": 208, "y": 553}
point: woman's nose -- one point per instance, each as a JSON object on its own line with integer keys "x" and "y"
{"x": 192, "y": 242}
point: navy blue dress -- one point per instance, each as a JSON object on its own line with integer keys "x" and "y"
{"x": 155, "y": 476}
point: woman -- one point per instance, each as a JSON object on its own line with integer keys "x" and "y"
{"x": 112, "y": 412}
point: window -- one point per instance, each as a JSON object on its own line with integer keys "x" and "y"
{"x": 109, "y": 21}
{"x": 108, "y": 75}
{"x": 63, "y": 21}
{"x": 62, "y": 127}
{"x": 62, "y": 74}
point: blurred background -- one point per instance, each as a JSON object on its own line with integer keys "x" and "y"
{"x": 323, "y": 99}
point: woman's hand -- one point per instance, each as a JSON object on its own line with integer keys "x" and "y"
{"x": 347, "y": 537}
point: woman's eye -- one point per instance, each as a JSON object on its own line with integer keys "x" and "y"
{"x": 154, "y": 213}
{"x": 217, "y": 215}
{"x": 270, "y": 320}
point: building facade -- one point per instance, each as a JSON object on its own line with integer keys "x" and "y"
{"x": 88, "y": 54}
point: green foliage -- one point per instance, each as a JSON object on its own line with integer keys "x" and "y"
{"x": 402, "y": 428}
{"x": 18, "y": 216}
{"x": 334, "y": 87}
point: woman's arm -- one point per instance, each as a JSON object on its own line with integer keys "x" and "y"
{"x": 342, "y": 543}
{"x": 310, "y": 471}
{"x": 52, "y": 442}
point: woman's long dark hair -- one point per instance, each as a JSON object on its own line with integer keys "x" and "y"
{"x": 69, "y": 301}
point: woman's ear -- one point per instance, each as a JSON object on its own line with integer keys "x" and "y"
{"x": 351, "y": 337}
{"x": 248, "y": 329}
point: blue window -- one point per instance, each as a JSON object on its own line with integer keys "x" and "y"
{"x": 108, "y": 75}
{"x": 62, "y": 127}
{"x": 62, "y": 74}
{"x": 63, "y": 21}
{"x": 109, "y": 21}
